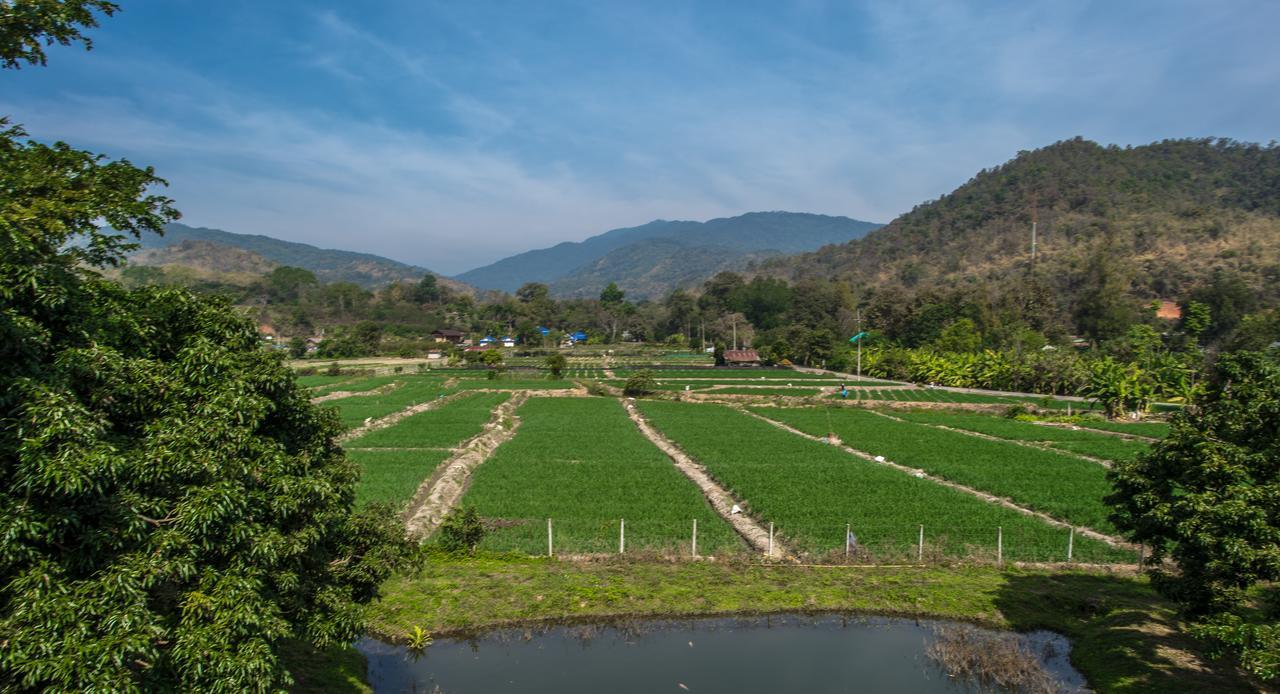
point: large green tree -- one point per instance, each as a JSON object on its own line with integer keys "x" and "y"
{"x": 172, "y": 507}
{"x": 1208, "y": 497}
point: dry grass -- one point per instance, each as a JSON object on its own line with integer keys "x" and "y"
{"x": 989, "y": 660}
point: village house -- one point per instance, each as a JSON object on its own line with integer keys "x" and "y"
{"x": 741, "y": 357}
{"x": 456, "y": 337}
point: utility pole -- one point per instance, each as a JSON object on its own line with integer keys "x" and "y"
{"x": 734, "y": 321}
{"x": 859, "y": 344}
{"x": 1034, "y": 220}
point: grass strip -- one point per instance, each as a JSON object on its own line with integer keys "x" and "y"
{"x": 1124, "y": 637}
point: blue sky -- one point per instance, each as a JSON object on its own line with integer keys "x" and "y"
{"x": 452, "y": 134}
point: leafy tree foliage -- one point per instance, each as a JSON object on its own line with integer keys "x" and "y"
{"x": 173, "y": 507}
{"x": 27, "y": 26}
{"x": 1209, "y": 495}
{"x": 556, "y": 363}
{"x": 640, "y": 383}
{"x": 462, "y": 530}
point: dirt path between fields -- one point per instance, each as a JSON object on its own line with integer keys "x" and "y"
{"x": 921, "y": 474}
{"x": 1091, "y": 430}
{"x": 989, "y": 437}
{"x": 384, "y": 422}
{"x": 438, "y": 494}
{"x": 339, "y": 394}
{"x": 755, "y": 534}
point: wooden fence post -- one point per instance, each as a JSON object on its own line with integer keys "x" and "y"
{"x": 920, "y": 546}
{"x": 770, "y": 539}
{"x": 1071, "y": 541}
{"x": 848, "y": 528}
{"x": 695, "y": 537}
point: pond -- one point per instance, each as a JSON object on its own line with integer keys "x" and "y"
{"x": 779, "y": 653}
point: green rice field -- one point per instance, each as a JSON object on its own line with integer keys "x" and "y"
{"x": 1082, "y": 441}
{"x": 584, "y": 464}
{"x": 394, "y": 461}
{"x": 1065, "y": 487}
{"x": 810, "y": 490}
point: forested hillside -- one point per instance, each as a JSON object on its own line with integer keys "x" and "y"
{"x": 1117, "y": 228}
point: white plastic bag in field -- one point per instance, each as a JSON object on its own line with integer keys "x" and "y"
{"x": 879, "y": 459}
{"x": 735, "y": 509}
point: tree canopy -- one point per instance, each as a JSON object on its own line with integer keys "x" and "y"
{"x": 27, "y": 26}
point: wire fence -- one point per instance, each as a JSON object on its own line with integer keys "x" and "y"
{"x": 844, "y": 543}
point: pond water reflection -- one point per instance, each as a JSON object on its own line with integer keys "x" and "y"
{"x": 780, "y": 653}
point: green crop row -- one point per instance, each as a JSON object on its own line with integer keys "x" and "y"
{"x": 1065, "y": 487}
{"x": 355, "y": 384}
{"x": 392, "y": 476}
{"x": 442, "y": 427}
{"x": 810, "y": 490}
{"x": 1083, "y": 441}
{"x": 584, "y": 464}
{"x": 318, "y": 380}
{"x": 1155, "y": 430}
{"x": 416, "y": 389}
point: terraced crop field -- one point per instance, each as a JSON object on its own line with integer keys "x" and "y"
{"x": 442, "y": 427}
{"x": 318, "y": 380}
{"x": 416, "y": 389}
{"x": 1065, "y": 487}
{"x": 1155, "y": 430}
{"x": 811, "y": 490}
{"x": 356, "y": 384}
{"x": 944, "y": 396}
{"x": 584, "y": 464}
{"x": 1082, "y": 441}
{"x": 391, "y": 475}
{"x": 394, "y": 461}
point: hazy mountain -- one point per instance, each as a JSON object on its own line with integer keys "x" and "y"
{"x": 209, "y": 249}
{"x": 652, "y": 268}
{"x": 578, "y": 267}
{"x": 1159, "y": 219}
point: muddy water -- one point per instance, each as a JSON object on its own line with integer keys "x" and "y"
{"x": 788, "y": 653}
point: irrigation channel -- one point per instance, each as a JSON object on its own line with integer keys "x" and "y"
{"x": 779, "y": 653}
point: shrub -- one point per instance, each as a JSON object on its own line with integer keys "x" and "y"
{"x": 640, "y": 383}
{"x": 461, "y": 531}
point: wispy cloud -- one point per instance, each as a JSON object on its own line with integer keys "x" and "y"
{"x": 452, "y": 135}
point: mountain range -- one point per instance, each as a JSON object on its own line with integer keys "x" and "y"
{"x": 654, "y": 258}
{"x": 226, "y": 252}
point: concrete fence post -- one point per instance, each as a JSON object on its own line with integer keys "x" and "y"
{"x": 549, "y": 552}
{"x": 1071, "y": 542}
{"x": 999, "y": 546}
{"x": 622, "y": 536}
{"x": 770, "y": 539}
{"x": 920, "y": 546}
{"x": 695, "y": 537}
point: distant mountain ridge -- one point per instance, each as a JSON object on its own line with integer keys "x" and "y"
{"x": 677, "y": 253}
{"x": 197, "y": 246}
